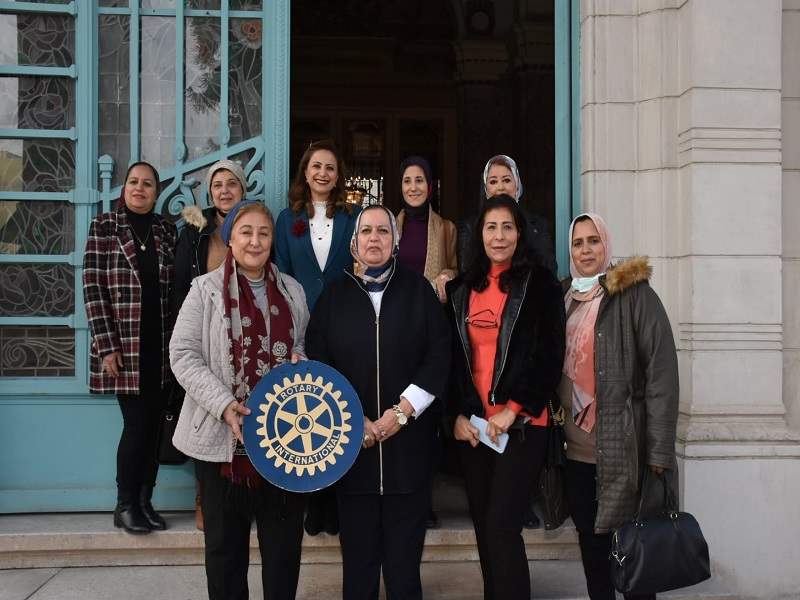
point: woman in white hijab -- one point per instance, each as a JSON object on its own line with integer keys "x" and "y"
{"x": 384, "y": 329}
{"x": 501, "y": 176}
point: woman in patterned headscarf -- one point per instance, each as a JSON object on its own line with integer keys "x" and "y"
{"x": 383, "y": 328}
{"x": 619, "y": 390}
{"x": 237, "y": 323}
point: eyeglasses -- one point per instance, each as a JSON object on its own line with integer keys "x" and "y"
{"x": 483, "y": 319}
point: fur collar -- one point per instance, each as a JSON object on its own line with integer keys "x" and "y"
{"x": 626, "y": 274}
{"x": 193, "y": 216}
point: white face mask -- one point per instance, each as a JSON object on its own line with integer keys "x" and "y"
{"x": 584, "y": 284}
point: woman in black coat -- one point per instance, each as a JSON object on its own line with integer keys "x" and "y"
{"x": 383, "y": 328}
{"x": 200, "y": 249}
{"x": 508, "y": 318}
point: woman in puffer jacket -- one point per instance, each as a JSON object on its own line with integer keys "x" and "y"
{"x": 237, "y": 323}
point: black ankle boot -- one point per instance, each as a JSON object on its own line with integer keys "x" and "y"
{"x": 155, "y": 520}
{"x": 128, "y": 515}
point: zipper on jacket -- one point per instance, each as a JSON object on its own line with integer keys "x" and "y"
{"x": 378, "y": 386}
{"x": 200, "y": 236}
{"x": 508, "y": 343}
{"x": 377, "y": 369}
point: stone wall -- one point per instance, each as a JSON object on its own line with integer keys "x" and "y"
{"x": 790, "y": 129}
{"x": 691, "y": 149}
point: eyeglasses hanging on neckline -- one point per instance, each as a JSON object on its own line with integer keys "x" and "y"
{"x": 478, "y": 319}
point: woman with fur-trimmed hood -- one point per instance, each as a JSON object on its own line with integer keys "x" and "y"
{"x": 619, "y": 391}
{"x": 200, "y": 249}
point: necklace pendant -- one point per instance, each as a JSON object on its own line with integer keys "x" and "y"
{"x": 142, "y": 247}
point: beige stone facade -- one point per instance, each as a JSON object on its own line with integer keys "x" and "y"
{"x": 691, "y": 148}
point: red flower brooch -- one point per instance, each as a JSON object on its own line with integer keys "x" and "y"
{"x": 299, "y": 228}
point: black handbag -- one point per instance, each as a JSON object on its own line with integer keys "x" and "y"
{"x": 659, "y": 553}
{"x": 552, "y": 479}
{"x": 168, "y": 454}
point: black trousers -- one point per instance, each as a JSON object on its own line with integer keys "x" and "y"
{"x": 382, "y": 531}
{"x": 595, "y": 548}
{"x": 499, "y": 489}
{"x": 137, "y": 461}
{"x": 228, "y": 511}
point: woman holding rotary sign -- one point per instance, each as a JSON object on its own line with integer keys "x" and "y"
{"x": 237, "y": 323}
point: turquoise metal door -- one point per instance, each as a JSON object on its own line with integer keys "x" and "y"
{"x": 86, "y": 87}
{"x": 568, "y": 124}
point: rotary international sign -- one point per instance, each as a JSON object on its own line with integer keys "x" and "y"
{"x": 305, "y": 427}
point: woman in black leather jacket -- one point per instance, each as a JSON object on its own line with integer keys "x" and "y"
{"x": 508, "y": 320}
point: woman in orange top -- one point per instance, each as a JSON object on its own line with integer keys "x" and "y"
{"x": 508, "y": 318}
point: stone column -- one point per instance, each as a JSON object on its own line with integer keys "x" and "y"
{"x": 681, "y": 137}
{"x": 790, "y": 130}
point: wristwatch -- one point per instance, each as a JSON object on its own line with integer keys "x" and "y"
{"x": 402, "y": 419}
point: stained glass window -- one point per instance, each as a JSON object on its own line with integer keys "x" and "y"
{"x": 157, "y": 81}
{"x": 114, "y": 67}
{"x": 37, "y": 39}
{"x": 202, "y": 86}
{"x": 37, "y": 102}
{"x": 37, "y": 289}
{"x": 37, "y": 165}
{"x": 31, "y": 227}
{"x": 31, "y": 222}
{"x": 245, "y": 41}
{"x": 36, "y": 351}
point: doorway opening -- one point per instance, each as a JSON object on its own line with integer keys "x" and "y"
{"x": 455, "y": 81}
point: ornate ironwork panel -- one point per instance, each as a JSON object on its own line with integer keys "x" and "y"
{"x": 198, "y": 97}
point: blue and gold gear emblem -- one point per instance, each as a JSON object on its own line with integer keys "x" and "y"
{"x": 305, "y": 427}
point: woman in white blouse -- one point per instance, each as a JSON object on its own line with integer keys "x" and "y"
{"x": 312, "y": 244}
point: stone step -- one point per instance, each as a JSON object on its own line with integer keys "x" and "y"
{"x": 89, "y": 539}
{"x": 551, "y": 580}
{"x": 83, "y": 556}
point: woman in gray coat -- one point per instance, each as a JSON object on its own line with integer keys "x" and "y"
{"x": 238, "y": 322}
{"x": 619, "y": 390}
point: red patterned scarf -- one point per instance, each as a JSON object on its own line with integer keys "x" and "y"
{"x": 255, "y": 348}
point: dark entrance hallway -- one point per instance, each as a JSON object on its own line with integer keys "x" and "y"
{"x": 456, "y": 81}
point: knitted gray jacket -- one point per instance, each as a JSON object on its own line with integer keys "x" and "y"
{"x": 198, "y": 354}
